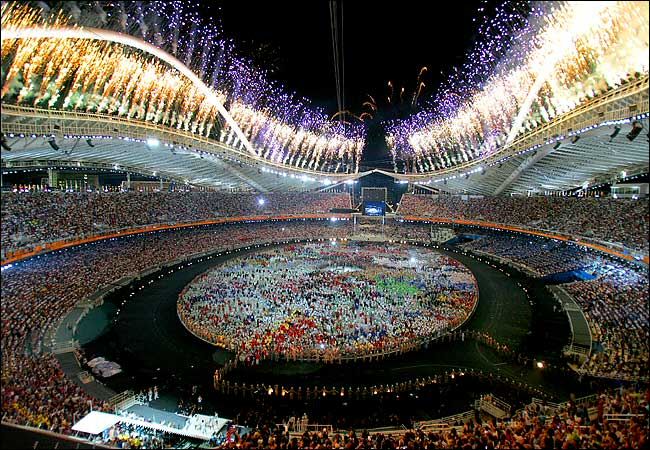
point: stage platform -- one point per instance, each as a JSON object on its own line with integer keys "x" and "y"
{"x": 197, "y": 426}
{"x": 157, "y": 416}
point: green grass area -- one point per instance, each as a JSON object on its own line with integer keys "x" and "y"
{"x": 395, "y": 286}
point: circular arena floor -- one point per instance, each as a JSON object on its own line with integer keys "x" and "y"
{"x": 171, "y": 357}
{"x": 328, "y": 301}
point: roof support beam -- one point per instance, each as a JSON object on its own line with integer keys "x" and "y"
{"x": 239, "y": 174}
{"x": 526, "y": 164}
{"x": 428, "y": 188}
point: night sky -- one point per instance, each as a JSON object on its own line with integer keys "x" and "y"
{"x": 381, "y": 42}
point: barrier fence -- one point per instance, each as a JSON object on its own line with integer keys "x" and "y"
{"x": 494, "y": 406}
{"x": 123, "y": 400}
{"x": 225, "y": 386}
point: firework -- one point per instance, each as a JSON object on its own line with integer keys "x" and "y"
{"x": 532, "y": 65}
{"x": 188, "y": 78}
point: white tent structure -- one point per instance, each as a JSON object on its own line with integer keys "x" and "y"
{"x": 96, "y": 422}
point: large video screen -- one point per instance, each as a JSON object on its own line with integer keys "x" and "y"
{"x": 374, "y": 208}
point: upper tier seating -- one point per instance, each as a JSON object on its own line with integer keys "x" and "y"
{"x": 33, "y": 218}
{"x": 610, "y": 220}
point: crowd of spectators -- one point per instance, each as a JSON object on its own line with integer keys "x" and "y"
{"x": 123, "y": 435}
{"x": 38, "y": 292}
{"x": 414, "y": 231}
{"x": 611, "y": 220}
{"x": 328, "y": 299}
{"x": 541, "y": 256}
{"x": 616, "y": 307}
{"x": 615, "y": 301}
{"x": 36, "y": 392}
{"x": 31, "y": 218}
{"x": 570, "y": 427}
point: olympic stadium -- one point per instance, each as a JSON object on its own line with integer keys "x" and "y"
{"x": 228, "y": 225}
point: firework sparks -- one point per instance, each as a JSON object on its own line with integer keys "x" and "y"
{"x": 75, "y": 72}
{"x": 530, "y": 67}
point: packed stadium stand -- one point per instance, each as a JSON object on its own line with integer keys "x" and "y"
{"x": 29, "y": 219}
{"x": 194, "y": 256}
{"x": 37, "y": 293}
{"x": 619, "y": 221}
{"x": 615, "y": 301}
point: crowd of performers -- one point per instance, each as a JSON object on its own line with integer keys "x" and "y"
{"x": 328, "y": 300}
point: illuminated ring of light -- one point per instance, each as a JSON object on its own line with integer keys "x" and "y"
{"x": 119, "y": 38}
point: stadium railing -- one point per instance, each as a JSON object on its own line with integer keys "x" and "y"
{"x": 445, "y": 422}
{"x": 622, "y": 417}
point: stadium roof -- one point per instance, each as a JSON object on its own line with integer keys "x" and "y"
{"x": 593, "y": 157}
{"x": 156, "y": 116}
{"x": 136, "y": 147}
{"x": 180, "y": 166}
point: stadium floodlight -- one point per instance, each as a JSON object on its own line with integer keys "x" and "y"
{"x": 636, "y": 130}
{"x": 261, "y": 201}
{"x": 153, "y": 142}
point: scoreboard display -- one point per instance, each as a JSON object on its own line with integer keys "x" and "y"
{"x": 374, "y": 208}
